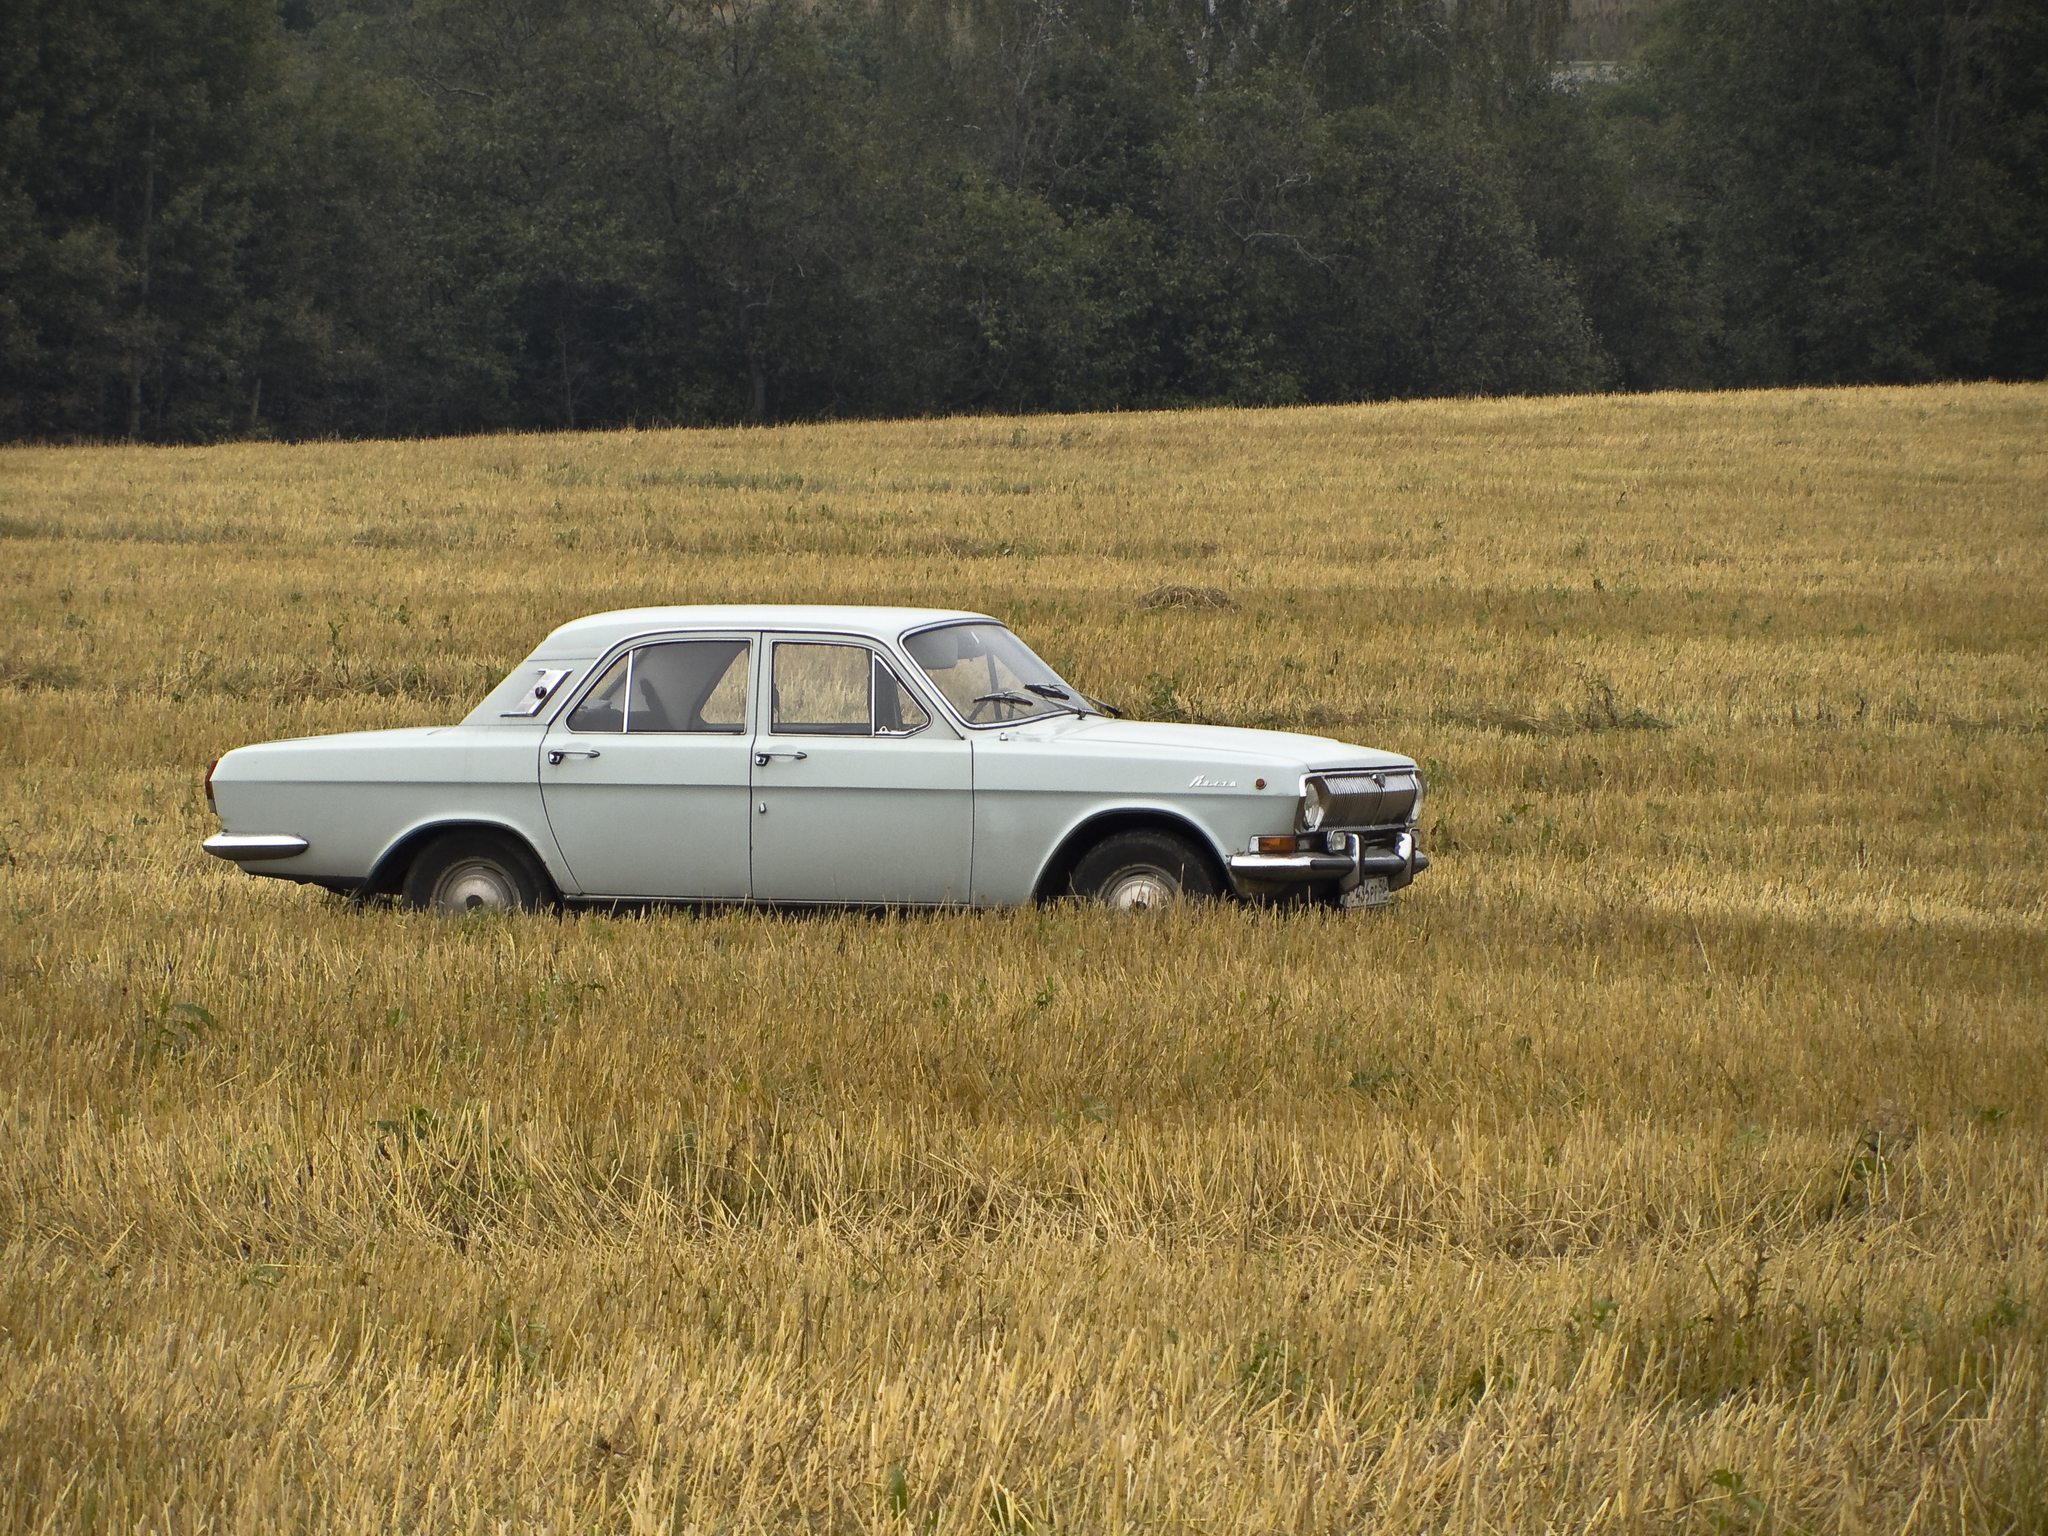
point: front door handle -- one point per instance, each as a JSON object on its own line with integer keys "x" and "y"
{"x": 556, "y": 754}
{"x": 761, "y": 758}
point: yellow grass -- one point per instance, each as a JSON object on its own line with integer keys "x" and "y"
{"x": 1670, "y": 1158}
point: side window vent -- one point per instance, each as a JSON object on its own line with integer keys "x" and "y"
{"x": 528, "y": 704}
{"x": 897, "y": 712}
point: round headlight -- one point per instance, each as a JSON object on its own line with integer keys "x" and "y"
{"x": 1315, "y": 804}
{"x": 1415, "y": 810}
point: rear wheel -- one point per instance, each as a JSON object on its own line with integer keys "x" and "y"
{"x": 471, "y": 871}
{"x": 1143, "y": 872}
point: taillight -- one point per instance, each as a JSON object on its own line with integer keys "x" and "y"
{"x": 209, "y": 783}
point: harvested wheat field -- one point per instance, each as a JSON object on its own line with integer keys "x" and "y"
{"x": 1672, "y": 1157}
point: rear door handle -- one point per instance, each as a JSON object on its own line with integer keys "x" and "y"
{"x": 761, "y": 758}
{"x": 556, "y": 754}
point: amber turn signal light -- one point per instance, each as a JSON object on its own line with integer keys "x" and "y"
{"x": 1276, "y": 844}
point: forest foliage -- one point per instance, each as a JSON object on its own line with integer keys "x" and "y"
{"x": 235, "y": 218}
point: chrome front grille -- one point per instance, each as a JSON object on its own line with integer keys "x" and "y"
{"x": 1377, "y": 797}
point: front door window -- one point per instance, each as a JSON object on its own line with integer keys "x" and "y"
{"x": 840, "y": 690}
{"x": 859, "y": 794}
{"x": 821, "y": 690}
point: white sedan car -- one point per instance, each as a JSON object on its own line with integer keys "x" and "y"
{"x": 814, "y": 755}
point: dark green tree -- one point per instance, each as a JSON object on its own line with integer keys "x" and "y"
{"x": 225, "y": 217}
{"x": 1363, "y": 255}
{"x": 136, "y": 137}
{"x": 1591, "y": 175}
{"x": 1866, "y": 178}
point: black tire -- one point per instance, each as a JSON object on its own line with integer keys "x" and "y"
{"x": 464, "y": 872}
{"x": 1143, "y": 871}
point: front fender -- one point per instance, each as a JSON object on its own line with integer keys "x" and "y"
{"x": 1058, "y": 866}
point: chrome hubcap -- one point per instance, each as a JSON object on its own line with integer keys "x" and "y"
{"x": 1142, "y": 890}
{"x": 472, "y": 885}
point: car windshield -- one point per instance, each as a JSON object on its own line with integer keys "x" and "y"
{"x": 990, "y": 676}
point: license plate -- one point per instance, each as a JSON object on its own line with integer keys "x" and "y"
{"x": 1370, "y": 892}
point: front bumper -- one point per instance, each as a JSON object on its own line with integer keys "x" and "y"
{"x": 1270, "y": 873}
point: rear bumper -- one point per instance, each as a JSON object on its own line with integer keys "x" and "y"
{"x": 1397, "y": 865}
{"x": 247, "y": 847}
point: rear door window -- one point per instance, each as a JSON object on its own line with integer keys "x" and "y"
{"x": 677, "y": 686}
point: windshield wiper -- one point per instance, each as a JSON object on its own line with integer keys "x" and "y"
{"x": 1107, "y": 709}
{"x": 1057, "y": 697}
{"x": 1060, "y": 696}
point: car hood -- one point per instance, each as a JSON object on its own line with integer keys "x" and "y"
{"x": 1210, "y": 741}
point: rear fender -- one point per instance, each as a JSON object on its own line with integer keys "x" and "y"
{"x": 388, "y": 875}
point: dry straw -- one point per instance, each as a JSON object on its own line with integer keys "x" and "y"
{"x": 1669, "y": 1159}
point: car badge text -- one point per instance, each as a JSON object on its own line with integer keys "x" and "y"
{"x": 1202, "y": 781}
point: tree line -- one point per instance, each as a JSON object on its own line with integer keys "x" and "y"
{"x": 231, "y": 218}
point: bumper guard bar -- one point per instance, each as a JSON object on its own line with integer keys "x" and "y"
{"x": 242, "y": 847}
{"x": 1397, "y": 865}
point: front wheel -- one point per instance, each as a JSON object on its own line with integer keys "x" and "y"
{"x": 1143, "y": 872}
{"x": 470, "y": 871}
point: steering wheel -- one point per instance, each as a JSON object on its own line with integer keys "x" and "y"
{"x": 999, "y": 697}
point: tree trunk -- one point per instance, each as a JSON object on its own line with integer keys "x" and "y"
{"x": 757, "y": 366}
{"x": 562, "y": 353}
{"x": 135, "y": 360}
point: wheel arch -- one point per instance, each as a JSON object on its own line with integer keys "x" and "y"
{"x": 387, "y": 876}
{"x": 1085, "y": 834}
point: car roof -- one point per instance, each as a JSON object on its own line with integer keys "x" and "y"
{"x": 598, "y": 632}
